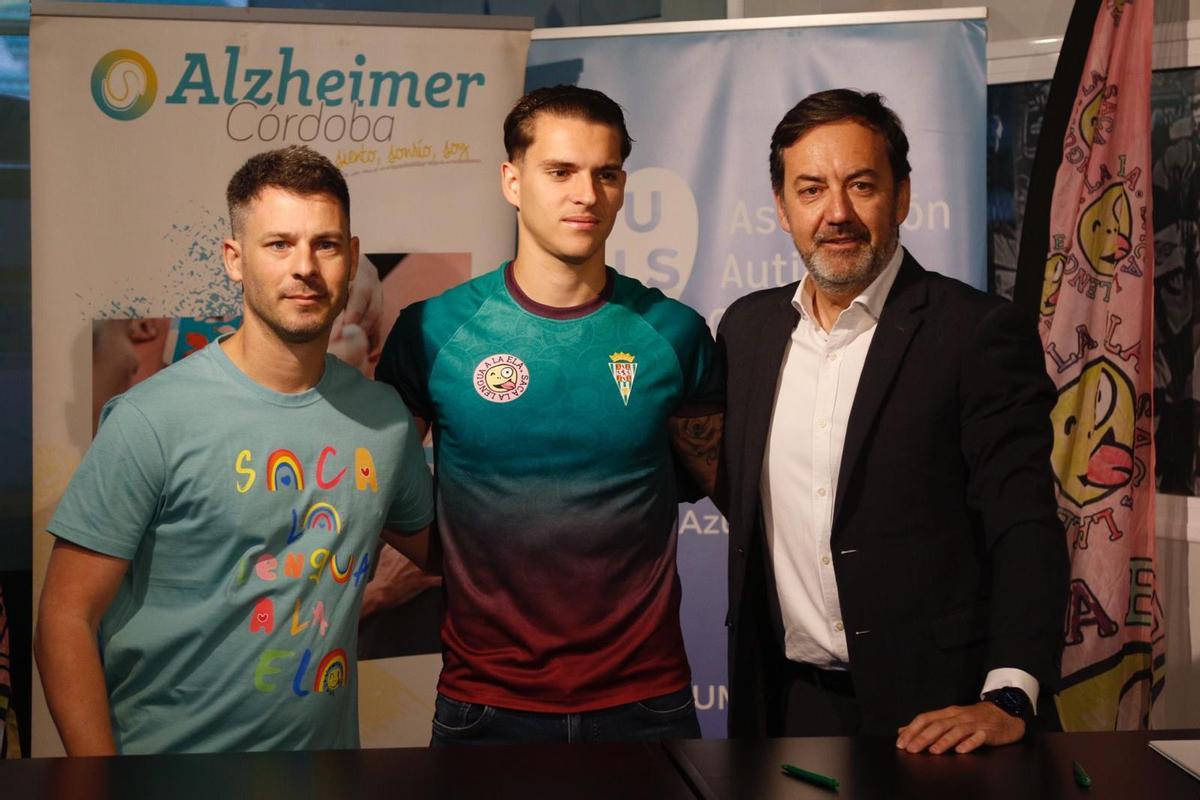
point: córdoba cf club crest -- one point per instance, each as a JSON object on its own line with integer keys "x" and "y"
{"x": 623, "y": 369}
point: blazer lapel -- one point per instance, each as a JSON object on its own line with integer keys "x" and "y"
{"x": 902, "y": 315}
{"x": 778, "y": 322}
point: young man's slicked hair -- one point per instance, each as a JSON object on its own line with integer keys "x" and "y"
{"x": 840, "y": 105}
{"x": 297, "y": 169}
{"x": 572, "y": 102}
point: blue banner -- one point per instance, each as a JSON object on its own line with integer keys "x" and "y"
{"x": 699, "y": 220}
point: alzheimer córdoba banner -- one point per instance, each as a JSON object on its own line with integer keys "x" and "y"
{"x": 142, "y": 116}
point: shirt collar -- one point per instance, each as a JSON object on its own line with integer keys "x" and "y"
{"x": 870, "y": 299}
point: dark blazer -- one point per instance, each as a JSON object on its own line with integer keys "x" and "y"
{"x": 949, "y": 556}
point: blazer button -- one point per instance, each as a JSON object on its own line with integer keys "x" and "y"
{"x": 741, "y": 551}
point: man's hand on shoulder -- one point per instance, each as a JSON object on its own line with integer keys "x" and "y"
{"x": 961, "y": 729}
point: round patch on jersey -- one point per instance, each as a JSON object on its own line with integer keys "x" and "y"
{"x": 501, "y": 378}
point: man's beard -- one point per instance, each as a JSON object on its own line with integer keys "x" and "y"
{"x": 842, "y": 274}
{"x": 300, "y": 334}
{"x": 300, "y": 331}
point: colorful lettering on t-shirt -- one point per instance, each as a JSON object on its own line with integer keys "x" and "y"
{"x": 298, "y": 680}
{"x": 283, "y": 469}
{"x": 364, "y": 470}
{"x": 340, "y": 575}
{"x": 296, "y": 529}
{"x": 262, "y": 618}
{"x": 364, "y": 566}
{"x": 265, "y": 567}
{"x": 265, "y": 668}
{"x": 293, "y": 565}
{"x": 298, "y": 626}
{"x": 324, "y": 516}
{"x": 318, "y": 617}
{"x": 241, "y": 468}
{"x": 332, "y": 673}
{"x": 244, "y": 568}
{"x": 321, "y": 517}
{"x": 327, "y": 484}
{"x": 318, "y": 560}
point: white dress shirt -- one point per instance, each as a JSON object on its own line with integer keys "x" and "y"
{"x": 817, "y": 383}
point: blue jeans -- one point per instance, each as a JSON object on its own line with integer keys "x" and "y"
{"x": 669, "y": 716}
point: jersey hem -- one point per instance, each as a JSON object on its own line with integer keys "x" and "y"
{"x": 519, "y": 703}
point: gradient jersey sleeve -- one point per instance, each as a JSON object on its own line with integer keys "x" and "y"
{"x": 404, "y": 362}
{"x": 690, "y": 338}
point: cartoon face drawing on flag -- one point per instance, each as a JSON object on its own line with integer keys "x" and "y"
{"x": 1094, "y": 424}
{"x": 624, "y": 370}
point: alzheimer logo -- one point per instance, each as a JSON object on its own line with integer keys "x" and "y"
{"x": 124, "y": 84}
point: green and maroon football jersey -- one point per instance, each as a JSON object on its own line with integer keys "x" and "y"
{"x": 556, "y": 487}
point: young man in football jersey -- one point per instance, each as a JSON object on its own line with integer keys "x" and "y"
{"x": 567, "y": 401}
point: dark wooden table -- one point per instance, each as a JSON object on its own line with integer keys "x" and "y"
{"x": 519, "y": 772}
{"x": 1121, "y": 766}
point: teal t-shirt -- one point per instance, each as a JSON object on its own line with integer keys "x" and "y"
{"x": 249, "y": 518}
{"x": 557, "y": 495}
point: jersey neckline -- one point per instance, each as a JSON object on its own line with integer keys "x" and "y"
{"x": 554, "y": 312}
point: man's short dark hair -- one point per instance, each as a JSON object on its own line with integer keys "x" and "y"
{"x": 573, "y": 102}
{"x": 840, "y": 105}
{"x": 297, "y": 169}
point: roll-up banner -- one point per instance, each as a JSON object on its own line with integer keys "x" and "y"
{"x": 699, "y": 223}
{"x": 142, "y": 115}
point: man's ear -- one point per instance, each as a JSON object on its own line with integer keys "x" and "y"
{"x": 231, "y": 253}
{"x": 510, "y": 183}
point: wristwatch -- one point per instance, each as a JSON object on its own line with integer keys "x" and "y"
{"x": 1011, "y": 701}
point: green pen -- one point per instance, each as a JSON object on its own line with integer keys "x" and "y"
{"x": 815, "y": 778}
{"x": 1081, "y": 776}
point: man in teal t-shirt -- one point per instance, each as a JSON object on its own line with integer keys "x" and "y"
{"x": 560, "y": 394}
{"x": 217, "y": 538}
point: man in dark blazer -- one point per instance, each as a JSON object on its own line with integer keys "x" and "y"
{"x": 896, "y": 564}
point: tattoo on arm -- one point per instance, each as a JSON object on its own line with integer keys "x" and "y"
{"x": 697, "y": 442}
{"x": 699, "y": 438}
